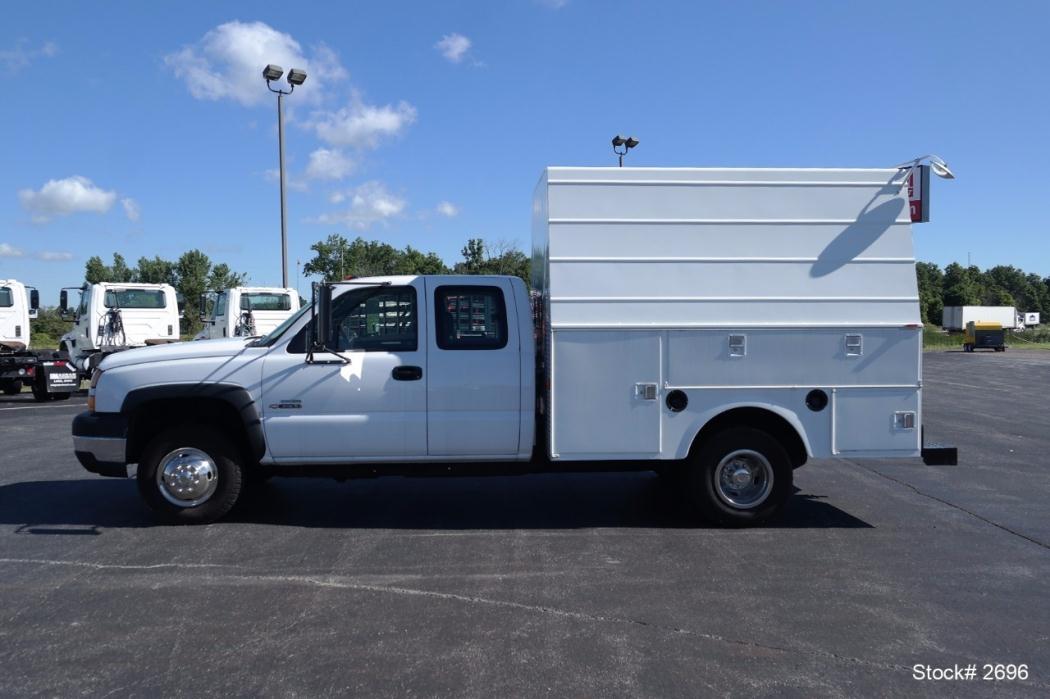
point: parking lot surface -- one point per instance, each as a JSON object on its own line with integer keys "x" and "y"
{"x": 576, "y": 585}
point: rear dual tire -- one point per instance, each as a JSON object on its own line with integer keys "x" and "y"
{"x": 739, "y": 477}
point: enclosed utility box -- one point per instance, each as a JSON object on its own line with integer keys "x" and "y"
{"x": 672, "y": 295}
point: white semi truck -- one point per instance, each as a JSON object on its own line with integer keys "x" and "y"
{"x": 718, "y": 326}
{"x": 245, "y": 311}
{"x": 46, "y": 372}
{"x": 113, "y": 317}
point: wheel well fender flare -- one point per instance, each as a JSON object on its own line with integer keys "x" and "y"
{"x": 234, "y": 400}
{"x": 781, "y": 422}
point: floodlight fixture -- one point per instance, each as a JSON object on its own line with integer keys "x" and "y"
{"x": 625, "y": 143}
{"x": 937, "y": 166}
{"x": 274, "y": 72}
{"x": 296, "y": 77}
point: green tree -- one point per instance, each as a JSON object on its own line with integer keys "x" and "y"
{"x": 120, "y": 272}
{"x": 414, "y": 261}
{"x": 221, "y": 277}
{"x": 95, "y": 270}
{"x": 501, "y": 257}
{"x": 191, "y": 274}
{"x": 155, "y": 271}
{"x": 335, "y": 258}
{"x": 959, "y": 286}
{"x": 931, "y": 291}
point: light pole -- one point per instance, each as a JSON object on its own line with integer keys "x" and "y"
{"x": 295, "y": 77}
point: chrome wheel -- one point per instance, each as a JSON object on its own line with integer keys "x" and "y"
{"x": 187, "y": 477}
{"x": 743, "y": 479}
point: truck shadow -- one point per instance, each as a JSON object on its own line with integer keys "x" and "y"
{"x": 562, "y": 501}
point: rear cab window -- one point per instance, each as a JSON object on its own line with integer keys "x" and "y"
{"x": 135, "y": 298}
{"x": 7, "y": 299}
{"x": 263, "y": 301}
{"x": 470, "y": 317}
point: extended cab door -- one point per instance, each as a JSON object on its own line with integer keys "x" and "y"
{"x": 474, "y": 368}
{"x": 373, "y": 408}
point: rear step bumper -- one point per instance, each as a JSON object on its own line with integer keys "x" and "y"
{"x": 940, "y": 455}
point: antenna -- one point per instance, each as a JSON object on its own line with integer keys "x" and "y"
{"x": 625, "y": 143}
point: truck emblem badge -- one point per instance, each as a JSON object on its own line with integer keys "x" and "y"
{"x": 286, "y": 404}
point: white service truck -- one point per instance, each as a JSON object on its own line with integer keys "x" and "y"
{"x": 113, "y": 317}
{"x": 245, "y": 311}
{"x": 718, "y": 326}
{"x": 46, "y": 372}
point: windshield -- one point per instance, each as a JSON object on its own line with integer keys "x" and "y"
{"x": 275, "y": 334}
{"x": 135, "y": 298}
{"x": 6, "y": 298}
{"x": 264, "y": 301}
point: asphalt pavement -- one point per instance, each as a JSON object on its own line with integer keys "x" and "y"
{"x": 563, "y": 585}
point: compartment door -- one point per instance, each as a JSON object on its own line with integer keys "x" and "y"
{"x": 867, "y": 424}
{"x": 600, "y": 409}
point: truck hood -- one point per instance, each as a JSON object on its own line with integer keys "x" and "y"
{"x": 226, "y": 347}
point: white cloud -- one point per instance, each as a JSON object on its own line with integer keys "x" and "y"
{"x": 453, "y": 47}
{"x": 362, "y": 125}
{"x": 22, "y": 54}
{"x": 131, "y": 209}
{"x": 63, "y": 197}
{"x": 227, "y": 63}
{"x": 8, "y": 250}
{"x": 328, "y": 164}
{"x": 54, "y": 256}
{"x": 447, "y": 208}
{"x": 370, "y": 203}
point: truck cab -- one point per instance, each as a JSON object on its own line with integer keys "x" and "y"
{"x": 113, "y": 317}
{"x": 18, "y": 304}
{"x": 245, "y": 311}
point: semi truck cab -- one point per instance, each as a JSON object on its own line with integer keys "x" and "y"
{"x": 113, "y": 317}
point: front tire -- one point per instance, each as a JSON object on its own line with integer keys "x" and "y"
{"x": 740, "y": 477}
{"x": 191, "y": 474}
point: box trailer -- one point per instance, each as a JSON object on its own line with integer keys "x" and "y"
{"x": 957, "y": 317}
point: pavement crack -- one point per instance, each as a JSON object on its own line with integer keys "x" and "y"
{"x": 114, "y": 566}
{"x": 960, "y": 508}
{"x": 561, "y": 613}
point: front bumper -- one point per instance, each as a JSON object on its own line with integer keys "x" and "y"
{"x": 99, "y": 442}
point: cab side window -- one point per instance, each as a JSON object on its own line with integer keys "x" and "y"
{"x": 470, "y": 318}
{"x": 376, "y": 319}
{"x": 220, "y": 305}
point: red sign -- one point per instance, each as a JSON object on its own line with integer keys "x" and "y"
{"x": 919, "y": 193}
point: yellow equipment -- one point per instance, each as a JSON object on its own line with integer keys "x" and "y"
{"x": 986, "y": 335}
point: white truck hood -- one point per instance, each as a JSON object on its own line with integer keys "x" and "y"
{"x": 225, "y": 347}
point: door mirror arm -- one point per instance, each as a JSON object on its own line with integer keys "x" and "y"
{"x": 319, "y": 332}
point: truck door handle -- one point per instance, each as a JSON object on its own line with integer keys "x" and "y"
{"x": 407, "y": 373}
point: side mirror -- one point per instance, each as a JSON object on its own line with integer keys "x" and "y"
{"x": 34, "y": 299}
{"x": 63, "y": 301}
{"x": 202, "y": 307}
{"x": 321, "y": 328}
{"x": 180, "y": 300}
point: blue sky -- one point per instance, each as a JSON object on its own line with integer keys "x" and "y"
{"x": 145, "y": 128}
